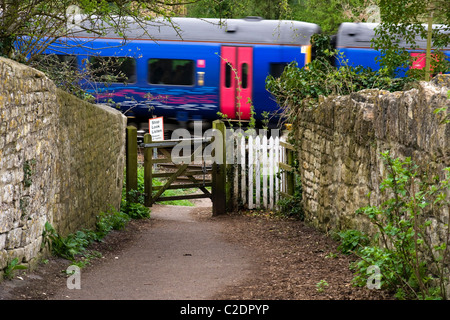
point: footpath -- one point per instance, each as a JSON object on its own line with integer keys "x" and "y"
{"x": 183, "y": 255}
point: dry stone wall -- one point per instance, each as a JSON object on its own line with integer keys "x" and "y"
{"x": 61, "y": 161}
{"x": 341, "y": 141}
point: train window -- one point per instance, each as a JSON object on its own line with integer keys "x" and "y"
{"x": 244, "y": 75}
{"x": 276, "y": 69}
{"x": 171, "y": 72}
{"x": 113, "y": 69}
{"x": 228, "y": 76}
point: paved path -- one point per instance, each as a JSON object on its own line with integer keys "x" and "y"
{"x": 183, "y": 255}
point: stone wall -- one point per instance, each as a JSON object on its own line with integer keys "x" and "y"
{"x": 61, "y": 161}
{"x": 341, "y": 141}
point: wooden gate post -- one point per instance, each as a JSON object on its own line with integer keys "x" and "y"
{"x": 219, "y": 172}
{"x": 290, "y": 174}
{"x": 148, "y": 167}
{"x": 131, "y": 161}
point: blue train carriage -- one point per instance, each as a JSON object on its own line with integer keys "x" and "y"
{"x": 200, "y": 67}
{"x": 354, "y": 41}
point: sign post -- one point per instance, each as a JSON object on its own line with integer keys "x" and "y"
{"x": 156, "y": 128}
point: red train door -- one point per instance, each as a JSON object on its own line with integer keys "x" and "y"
{"x": 236, "y": 85}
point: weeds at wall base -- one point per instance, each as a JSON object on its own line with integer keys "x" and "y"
{"x": 411, "y": 265}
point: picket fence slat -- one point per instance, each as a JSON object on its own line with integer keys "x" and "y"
{"x": 276, "y": 158}
{"x": 243, "y": 169}
{"x": 258, "y": 172}
{"x": 250, "y": 172}
{"x": 271, "y": 171}
{"x": 260, "y": 163}
{"x": 264, "y": 175}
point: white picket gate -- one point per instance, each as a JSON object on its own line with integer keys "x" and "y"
{"x": 258, "y": 177}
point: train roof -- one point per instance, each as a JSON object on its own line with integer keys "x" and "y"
{"x": 248, "y": 30}
{"x": 360, "y": 34}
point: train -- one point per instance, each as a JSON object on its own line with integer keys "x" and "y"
{"x": 195, "y": 69}
{"x": 353, "y": 40}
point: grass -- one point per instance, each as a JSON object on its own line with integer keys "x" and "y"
{"x": 167, "y": 193}
{"x": 174, "y": 192}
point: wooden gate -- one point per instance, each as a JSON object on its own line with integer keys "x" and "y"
{"x": 187, "y": 171}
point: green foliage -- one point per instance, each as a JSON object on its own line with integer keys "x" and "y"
{"x": 75, "y": 244}
{"x": 292, "y": 207}
{"x": 11, "y": 267}
{"x": 352, "y": 241}
{"x": 227, "y": 9}
{"x": 300, "y": 87}
{"x": 406, "y": 20}
{"x": 135, "y": 209}
{"x": 174, "y": 192}
{"x": 411, "y": 264}
{"x": 321, "y": 285}
{"x": 111, "y": 220}
{"x": 446, "y": 118}
{"x": 28, "y": 171}
{"x": 65, "y": 247}
{"x": 28, "y": 27}
{"x": 327, "y": 13}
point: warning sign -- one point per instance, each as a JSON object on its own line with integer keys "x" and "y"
{"x": 156, "y": 128}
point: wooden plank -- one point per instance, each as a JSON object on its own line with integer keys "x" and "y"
{"x": 282, "y": 160}
{"x": 189, "y": 174}
{"x": 184, "y": 174}
{"x": 250, "y": 172}
{"x": 148, "y": 168}
{"x": 194, "y": 155}
{"x": 219, "y": 187}
{"x": 285, "y": 166}
{"x": 276, "y": 160}
{"x": 230, "y": 174}
{"x": 183, "y": 197}
{"x": 271, "y": 177}
{"x": 236, "y": 172}
{"x": 172, "y": 178}
{"x": 285, "y": 195}
{"x": 160, "y": 161}
{"x": 185, "y": 186}
{"x": 131, "y": 160}
{"x": 173, "y": 142}
{"x": 290, "y": 175}
{"x": 258, "y": 172}
{"x": 264, "y": 163}
{"x": 243, "y": 171}
{"x": 287, "y": 145}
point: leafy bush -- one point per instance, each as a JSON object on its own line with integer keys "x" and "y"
{"x": 111, "y": 220}
{"x": 352, "y": 241}
{"x": 410, "y": 263}
{"x": 11, "y": 267}
{"x": 76, "y": 243}
{"x": 67, "y": 247}
{"x": 135, "y": 210}
{"x": 300, "y": 87}
{"x": 292, "y": 207}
